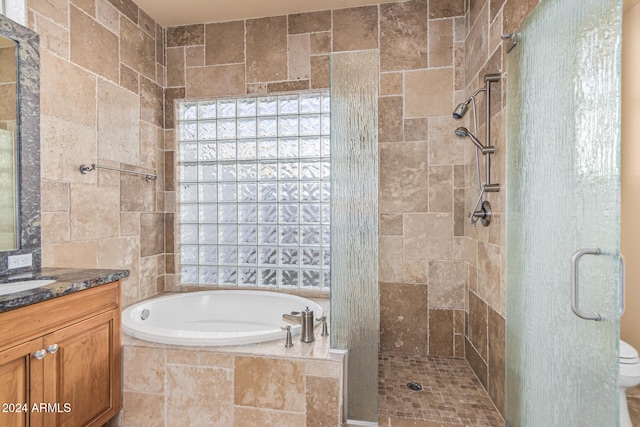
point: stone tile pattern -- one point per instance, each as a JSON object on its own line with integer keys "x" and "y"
{"x": 131, "y": 67}
{"x": 451, "y": 394}
{"x": 265, "y": 384}
{"x": 423, "y": 255}
{"x": 484, "y": 247}
{"x": 102, "y": 80}
{"x": 431, "y": 58}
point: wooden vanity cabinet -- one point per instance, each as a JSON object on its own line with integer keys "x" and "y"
{"x": 60, "y": 360}
{"x": 17, "y": 373}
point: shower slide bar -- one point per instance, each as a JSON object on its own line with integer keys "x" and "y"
{"x": 488, "y": 79}
{"x": 482, "y": 209}
{"x": 84, "y": 169}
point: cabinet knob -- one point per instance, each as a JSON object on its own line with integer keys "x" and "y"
{"x": 40, "y": 354}
{"x": 52, "y": 348}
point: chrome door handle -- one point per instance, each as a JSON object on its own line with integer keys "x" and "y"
{"x": 52, "y": 348}
{"x": 40, "y": 354}
{"x": 575, "y": 288}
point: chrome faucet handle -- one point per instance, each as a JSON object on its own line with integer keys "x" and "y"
{"x": 325, "y": 331}
{"x": 288, "y": 342}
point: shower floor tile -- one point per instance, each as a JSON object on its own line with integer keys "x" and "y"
{"x": 451, "y": 394}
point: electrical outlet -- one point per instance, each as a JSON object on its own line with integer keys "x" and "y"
{"x": 19, "y": 261}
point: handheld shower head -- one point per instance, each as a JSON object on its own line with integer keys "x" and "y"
{"x": 463, "y": 132}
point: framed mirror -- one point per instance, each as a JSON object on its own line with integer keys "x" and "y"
{"x": 9, "y": 219}
{"x": 19, "y": 143}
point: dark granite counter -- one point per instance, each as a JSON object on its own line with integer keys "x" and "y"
{"x": 68, "y": 281}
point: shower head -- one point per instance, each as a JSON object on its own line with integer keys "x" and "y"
{"x": 461, "y": 109}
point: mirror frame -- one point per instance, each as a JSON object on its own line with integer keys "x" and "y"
{"x": 28, "y": 142}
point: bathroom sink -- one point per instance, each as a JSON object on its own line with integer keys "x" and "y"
{"x": 22, "y": 285}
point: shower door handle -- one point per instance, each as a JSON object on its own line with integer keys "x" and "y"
{"x": 575, "y": 288}
{"x": 622, "y": 284}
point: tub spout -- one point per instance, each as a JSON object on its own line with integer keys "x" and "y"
{"x": 305, "y": 319}
{"x": 294, "y": 317}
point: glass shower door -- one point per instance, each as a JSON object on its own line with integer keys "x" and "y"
{"x": 563, "y": 184}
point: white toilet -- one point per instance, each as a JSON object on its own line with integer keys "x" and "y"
{"x": 629, "y": 363}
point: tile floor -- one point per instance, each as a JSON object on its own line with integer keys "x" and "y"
{"x": 451, "y": 394}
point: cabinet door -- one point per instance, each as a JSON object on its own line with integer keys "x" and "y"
{"x": 83, "y": 373}
{"x": 21, "y": 385}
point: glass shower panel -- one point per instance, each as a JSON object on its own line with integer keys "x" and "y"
{"x": 563, "y": 175}
{"x": 355, "y": 306}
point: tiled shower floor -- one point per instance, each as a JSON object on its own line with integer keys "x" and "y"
{"x": 451, "y": 394}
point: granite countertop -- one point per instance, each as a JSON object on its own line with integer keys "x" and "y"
{"x": 68, "y": 281}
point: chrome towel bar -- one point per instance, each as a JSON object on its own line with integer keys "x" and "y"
{"x": 84, "y": 169}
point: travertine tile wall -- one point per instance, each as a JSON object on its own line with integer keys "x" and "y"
{"x": 102, "y": 79}
{"x": 484, "y": 248}
{"x": 108, "y": 97}
{"x": 421, "y": 169}
{"x": 263, "y": 385}
{"x": 422, "y": 164}
{"x": 434, "y": 267}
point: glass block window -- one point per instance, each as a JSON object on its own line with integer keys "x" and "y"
{"x": 254, "y": 191}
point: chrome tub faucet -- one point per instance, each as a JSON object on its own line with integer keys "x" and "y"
{"x": 305, "y": 319}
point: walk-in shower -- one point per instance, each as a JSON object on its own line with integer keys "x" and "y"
{"x": 484, "y": 211}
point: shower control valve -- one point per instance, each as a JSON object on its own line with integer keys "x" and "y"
{"x": 483, "y": 214}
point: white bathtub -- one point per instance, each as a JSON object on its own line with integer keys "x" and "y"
{"x": 214, "y": 318}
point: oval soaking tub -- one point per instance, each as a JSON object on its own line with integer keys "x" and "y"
{"x": 214, "y": 318}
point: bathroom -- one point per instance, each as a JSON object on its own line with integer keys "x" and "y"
{"x": 441, "y": 280}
